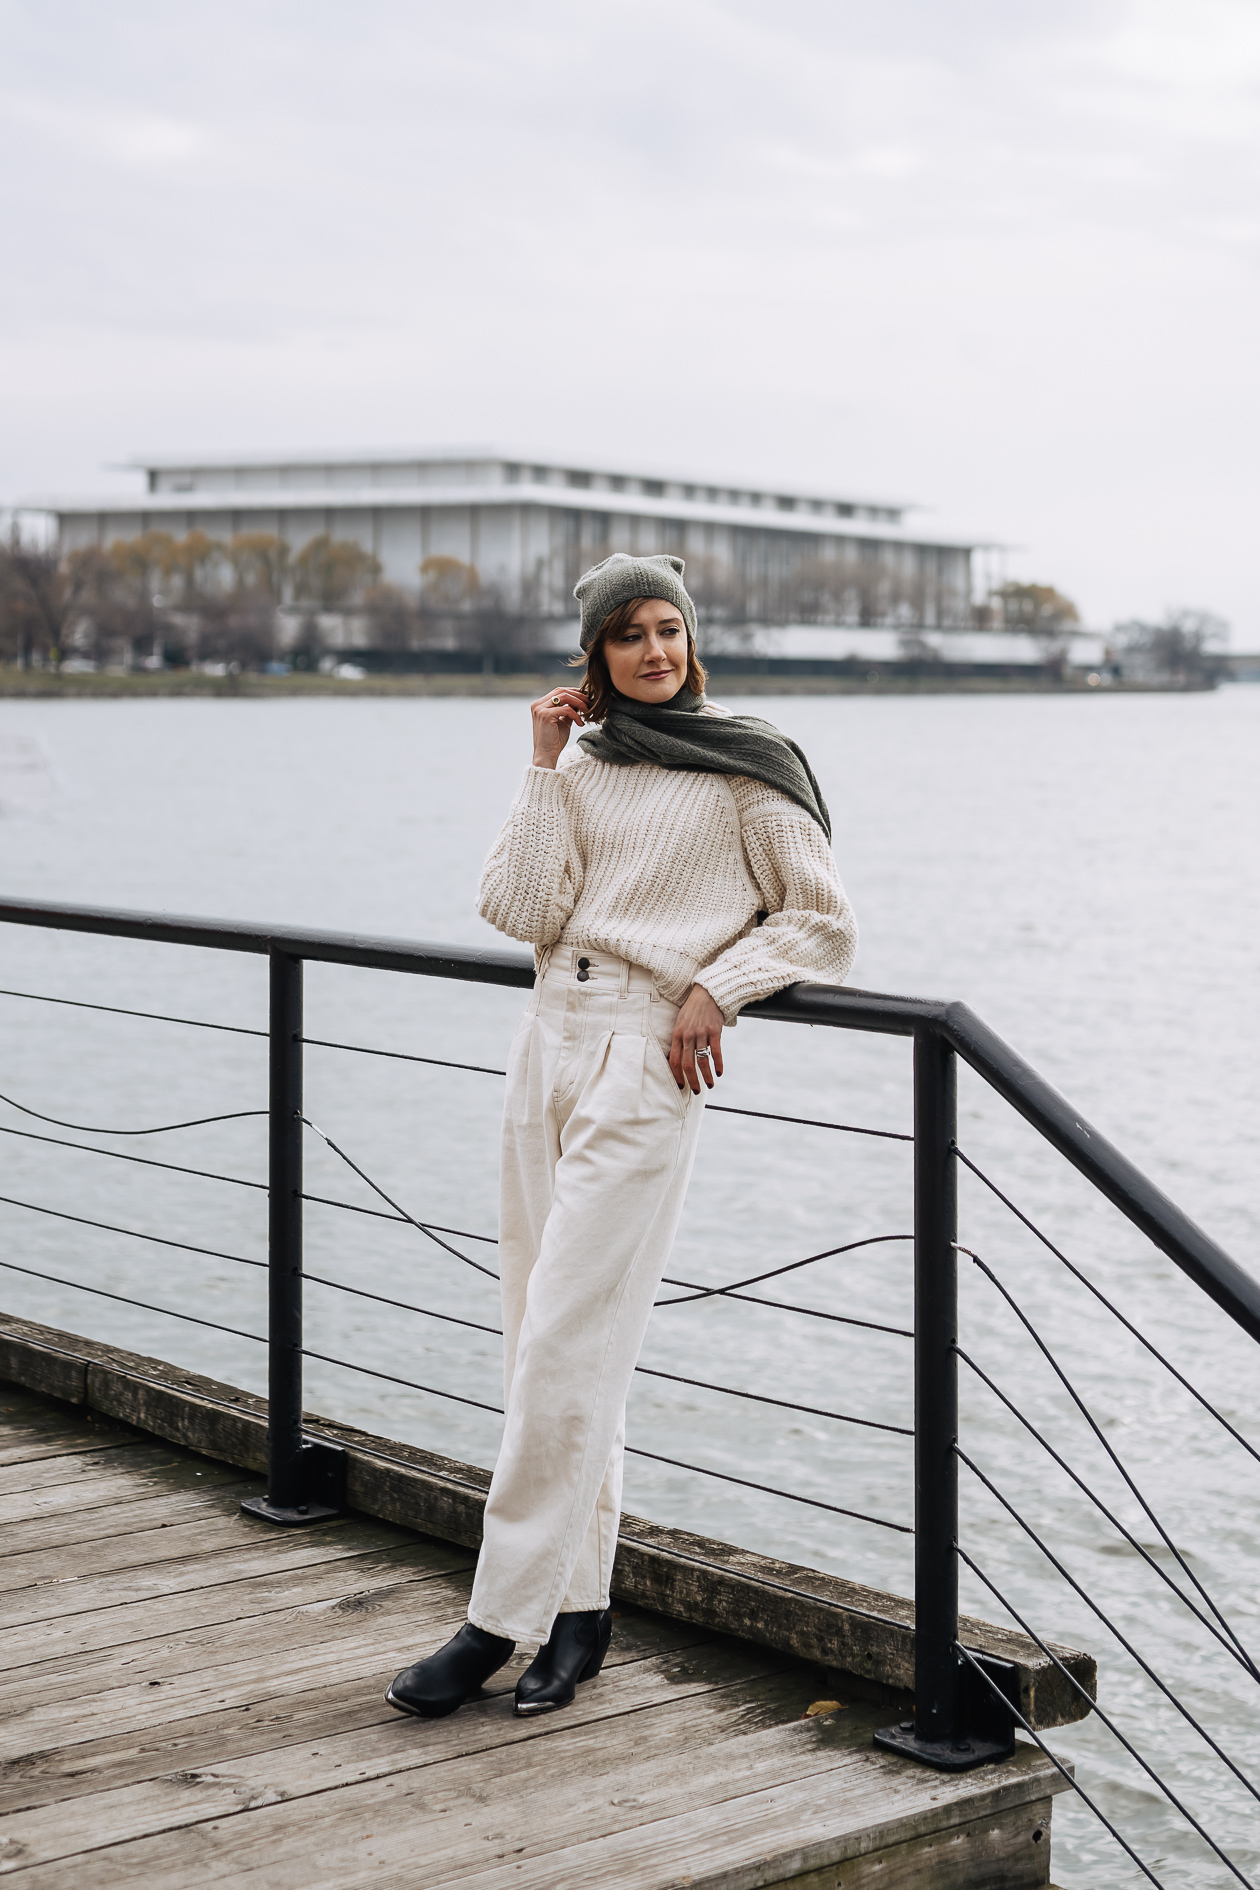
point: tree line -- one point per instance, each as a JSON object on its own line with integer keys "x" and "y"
{"x": 244, "y": 602}
{"x": 156, "y": 600}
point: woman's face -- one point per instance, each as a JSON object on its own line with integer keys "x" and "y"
{"x": 647, "y": 658}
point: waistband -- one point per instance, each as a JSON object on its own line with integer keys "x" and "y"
{"x": 593, "y": 971}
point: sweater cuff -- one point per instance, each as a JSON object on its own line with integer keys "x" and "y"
{"x": 539, "y": 788}
{"x": 729, "y": 991}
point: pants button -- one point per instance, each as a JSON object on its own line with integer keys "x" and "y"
{"x": 583, "y": 977}
{"x": 584, "y": 964}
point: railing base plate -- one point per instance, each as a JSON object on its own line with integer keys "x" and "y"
{"x": 291, "y": 1515}
{"x": 945, "y": 1755}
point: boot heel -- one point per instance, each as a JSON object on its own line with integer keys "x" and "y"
{"x": 593, "y": 1665}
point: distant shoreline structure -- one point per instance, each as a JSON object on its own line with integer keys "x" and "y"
{"x": 437, "y": 562}
{"x": 528, "y": 527}
{"x": 113, "y": 686}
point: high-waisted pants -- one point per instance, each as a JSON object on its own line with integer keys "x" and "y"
{"x": 598, "y": 1143}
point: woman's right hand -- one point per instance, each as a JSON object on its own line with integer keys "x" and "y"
{"x": 554, "y": 715}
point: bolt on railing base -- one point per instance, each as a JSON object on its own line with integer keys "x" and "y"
{"x": 984, "y": 1730}
{"x": 945, "y": 1755}
{"x": 317, "y": 1479}
{"x": 287, "y": 1513}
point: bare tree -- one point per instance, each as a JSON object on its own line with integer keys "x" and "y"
{"x": 1179, "y": 649}
{"x": 41, "y": 595}
{"x": 1038, "y": 608}
{"x": 332, "y": 572}
{"x": 393, "y": 622}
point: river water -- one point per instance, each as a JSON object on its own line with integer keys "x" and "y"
{"x": 1083, "y": 871}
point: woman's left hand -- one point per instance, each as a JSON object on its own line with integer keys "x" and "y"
{"x": 697, "y": 1027}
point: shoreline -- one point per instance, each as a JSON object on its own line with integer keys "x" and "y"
{"x": 49, "y": 685}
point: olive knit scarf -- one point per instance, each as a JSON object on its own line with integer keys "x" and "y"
{"x": 674, "y": 735}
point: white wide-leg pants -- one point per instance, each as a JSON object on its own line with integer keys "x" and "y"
{"x": 598, "y": 1143}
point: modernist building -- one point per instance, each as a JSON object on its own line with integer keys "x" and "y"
{"x": 528, "y": 529}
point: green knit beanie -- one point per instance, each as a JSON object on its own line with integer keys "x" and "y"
{"x": 622, "y": 577}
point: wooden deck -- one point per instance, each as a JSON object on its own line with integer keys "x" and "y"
{"x": 191, "y": 1697}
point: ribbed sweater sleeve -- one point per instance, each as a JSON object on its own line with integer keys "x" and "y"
{"x": 809, "y": 934}
{"x": 532, "y": 879}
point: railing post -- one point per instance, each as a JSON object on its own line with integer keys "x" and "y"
{"x": 951, "y": 1729}
{"x": 296, "y": 1470}
{"x": 935, "y": 1389}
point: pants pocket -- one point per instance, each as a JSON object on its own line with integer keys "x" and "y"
{"x": 656, "y": 1071}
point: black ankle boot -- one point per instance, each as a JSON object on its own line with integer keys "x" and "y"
{"x": 436, "y": 1686}
{"x": 574, "y": 1652}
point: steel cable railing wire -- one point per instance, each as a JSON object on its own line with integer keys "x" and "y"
{"x": 648, "y": 1371}
{"x": 766, "y": 1489}
{"x": 1139, "y": 1548}
{"x": 695, "y": 1289}
{"x": 696, "y": 1469}
{"x": 402, "y": 1305}
{"x": 164, "y": 1128}
{"x": 376, "y": 1188}
{"x": 402, "y": 1217}
{"x": 782, "y": 1404}
{"x": 696, "y": 1294}
{"x": 699, "y": 1293}
{"x": 1097, "y": 1712}
{"x": 123, "y": 1299}
{"x": 755, "y": 1279}
{"x": 808, "y": 1122}
{"x": 404, "y": 1220}
{"x": 133, "y": 1233}
{"x": 1110, "y": 1625}
{"x": 782, "y": 1305}
{"x": 441, "y": 1063}
{"x": 700, "y": 1384}
{"x": 119, "y": 1010}
{"x": 1058, "y": 1764}
{"x": 1101, "y": 1297}
{"x": 1112, "y": 1454}
{"x": 142, "y": 1161}
{"x": 235, "y": 1181}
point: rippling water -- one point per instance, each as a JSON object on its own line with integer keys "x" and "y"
{"x": 1083, "y": 872}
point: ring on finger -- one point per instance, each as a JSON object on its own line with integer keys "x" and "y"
{"x": 703, "y": 1052}
{"x": 556, "y": 702}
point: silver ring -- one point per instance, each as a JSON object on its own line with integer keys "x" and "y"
{"x": 706, "y": 1052}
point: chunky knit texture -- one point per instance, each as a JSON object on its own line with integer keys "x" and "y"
{"x": 621, "y": 577}
{"x": 670, "y": 870}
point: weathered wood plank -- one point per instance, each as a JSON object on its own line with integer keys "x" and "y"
{"x": 320, "y": 1648}
{"x": 130, "y": 1622}
{"x": 247, "y": 1742}
{"x": 167, "y": 1798}
{"x": 801, "y": 1612}
{"x": 144, "y": 1548}
{"x": 597, "y": 1787}
{"x": 267, "y": 1553}
{"x": 811, "y": 1831}
{"x": 1009, "y": 1850}
{"x": 87, "y": 1467}
{"x": 39, "y": 1446}
{"x": 400, "y": 1608}
{"x": 331, "y": 1710}
{"x": 402, "y": 1614}
{"x": 472, "y": 1743}
{"x": 45, "y": 1365}
{"x": 74, "y": 1528}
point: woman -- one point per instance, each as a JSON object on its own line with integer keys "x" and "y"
{"x": 674, "y": 871}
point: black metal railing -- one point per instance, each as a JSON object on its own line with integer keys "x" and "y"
{"x": 965, "y": 1710}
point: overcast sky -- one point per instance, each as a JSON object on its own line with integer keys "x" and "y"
{"x": 994, "y": 257}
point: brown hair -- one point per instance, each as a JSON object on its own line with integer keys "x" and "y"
{"x": 597, "y": 684}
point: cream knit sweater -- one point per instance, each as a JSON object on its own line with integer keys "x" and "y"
{"x": 669, "y": 869}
